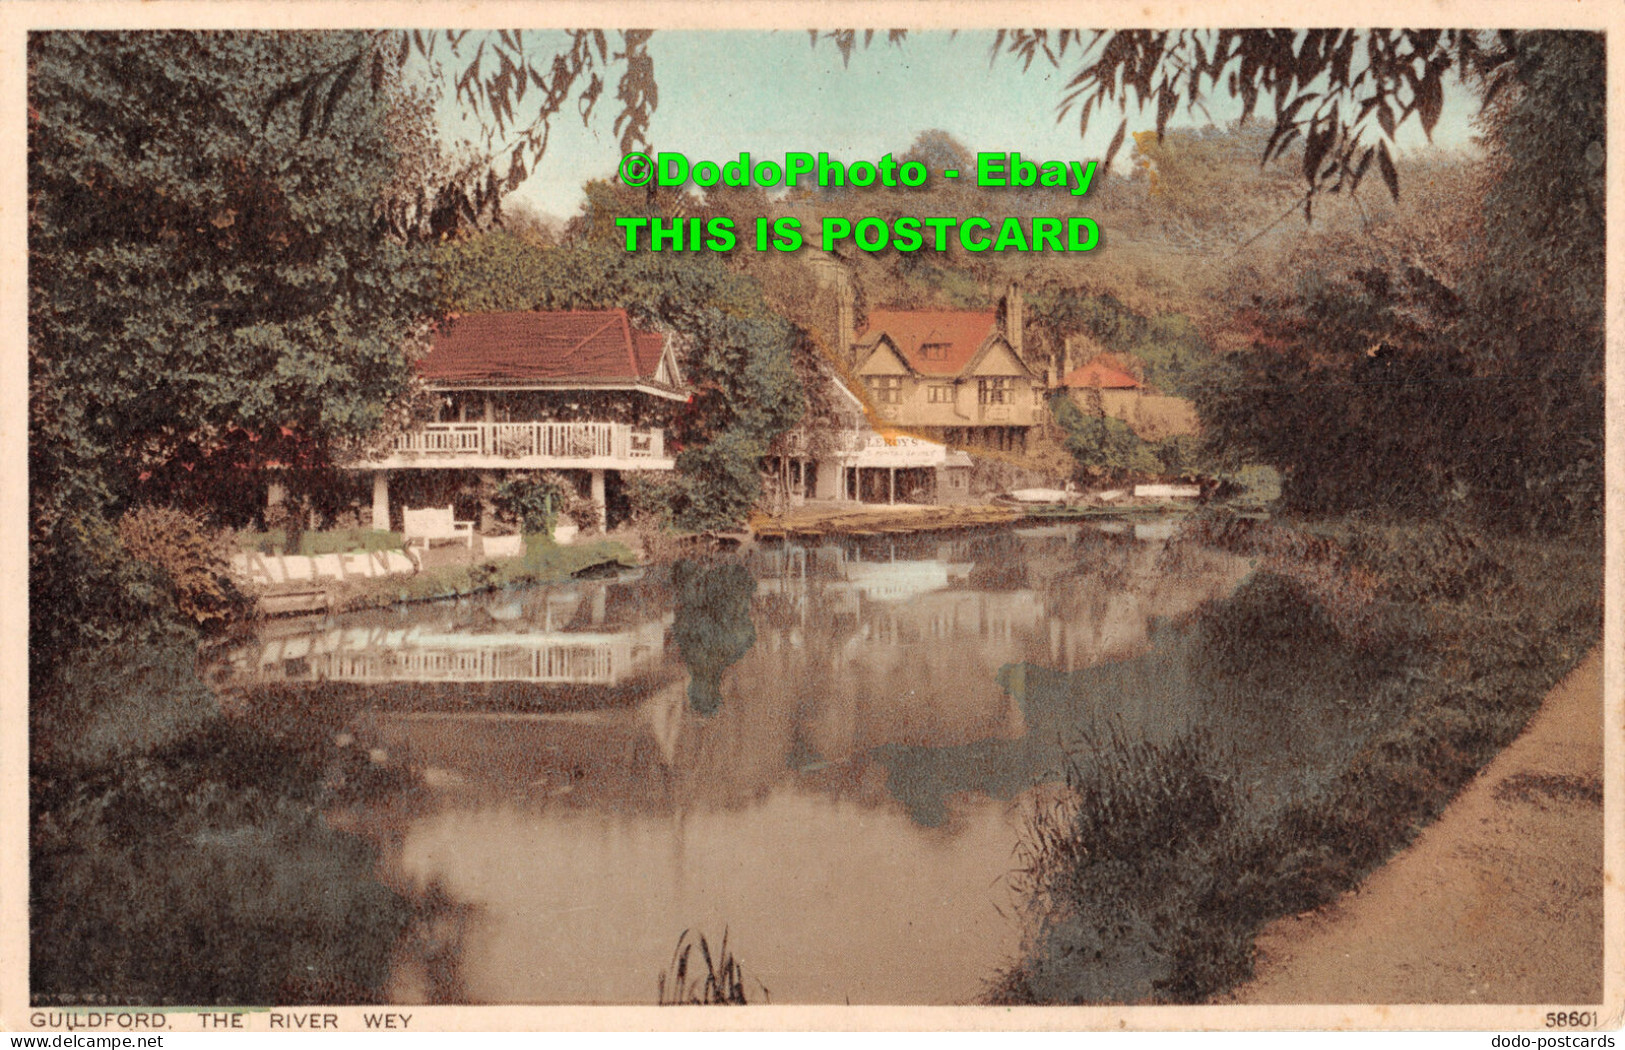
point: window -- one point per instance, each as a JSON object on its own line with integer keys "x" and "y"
{"x": 888, "y": 390}
{"x": 939, "y": 393}
{"x": 934, "y": 352}
{"x": 998, "y": 390}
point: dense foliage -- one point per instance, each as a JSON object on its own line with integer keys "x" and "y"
{"x": 1391, "y": 387}
{"x": 210, "y": 282}
{"x": 1342, "y": 93}
{"x": 198, "y": 268}
{"x": 1169, "y": 345}
{"x": 1102, "y": 446}
{"x": 189, "y": 552}
{"x": 203, "y": 872}
{"x": 534, "y": 502}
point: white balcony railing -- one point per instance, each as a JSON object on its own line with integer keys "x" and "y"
{"x": 363, "y": 655}
{"x": 533, "y": 440}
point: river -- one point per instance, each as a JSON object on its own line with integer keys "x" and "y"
{"x": 828, "y": 751}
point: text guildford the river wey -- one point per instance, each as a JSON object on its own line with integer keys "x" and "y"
{"x": 871, "y": 234}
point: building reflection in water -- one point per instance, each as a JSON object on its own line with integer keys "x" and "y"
{"x": 813, "y": 746}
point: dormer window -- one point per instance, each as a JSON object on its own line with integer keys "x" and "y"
{"x": 934, "y": 352}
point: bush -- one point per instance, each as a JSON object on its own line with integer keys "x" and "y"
{"x": 651, "y": 497}
{"x": 1436, "y": 561}
{"x": 108, "y": 702}
{"x": 715, "y": 487}
{"x": 1114, "y": 869}
{"x": 533, "y": 503}
{"x": 1102, "y": 446}
{"x": 190, "y": 553}
{"x": 203, "y": 872}
{"x": 529, "y": 503}
{"x": 1254, "y": 484}
{"x": 1180, "y": 454}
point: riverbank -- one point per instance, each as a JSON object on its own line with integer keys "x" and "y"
{"x": 1499, "y": 901}
{"x": 845, "y": 518}
{"x": 1433, "y": 644}
{"x": 450, "y": 572}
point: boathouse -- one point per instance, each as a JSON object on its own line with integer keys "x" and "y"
{"x": 579, "y": 391}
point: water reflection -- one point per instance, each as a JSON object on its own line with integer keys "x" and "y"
{"x": 712, "y": 626}
{"x": 823, "y": 747}
{"x": 582, "y": 637}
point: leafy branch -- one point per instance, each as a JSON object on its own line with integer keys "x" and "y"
{"x": 491, "y": 75}
{"x": 1342, "y": 92}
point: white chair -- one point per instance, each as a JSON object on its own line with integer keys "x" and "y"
{"x": 436, "y": 523}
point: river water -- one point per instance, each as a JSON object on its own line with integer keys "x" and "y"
{"x": 827, "y": 751}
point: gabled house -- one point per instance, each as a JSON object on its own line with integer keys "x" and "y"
{"x": 1106, "y": 386}
{"x": 955, "y": 375}
{"x": 577, "y": 390}
{"x": 1103, "y": 385}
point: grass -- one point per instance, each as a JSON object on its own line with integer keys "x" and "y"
{"x": 544, "y": 562}
{"x": 721, "y": 984}
{"x": 1152, "y": 879}
{"x": 335, "y": 541}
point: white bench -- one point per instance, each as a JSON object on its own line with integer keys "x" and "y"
{"x": 436, "y": 523}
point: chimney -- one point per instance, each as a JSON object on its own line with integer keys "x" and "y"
{"x": 1067, "y": 361}
{"x": 832, "y": 275}
{"x": 844, "y": 336}
{"x": 1013, "y": 310}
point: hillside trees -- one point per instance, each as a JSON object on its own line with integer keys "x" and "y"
{"x": 1496, "y": 360}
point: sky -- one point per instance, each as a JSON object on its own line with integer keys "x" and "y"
{"x": 723, "y": 92}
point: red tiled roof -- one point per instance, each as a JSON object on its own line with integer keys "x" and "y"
{"x": 1102, "y": 374}
{"x": 536, "y": 347}
{"x": 649, "y": 346}
{"x": 960, "y": 333}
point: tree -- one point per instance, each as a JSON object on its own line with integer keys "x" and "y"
{"x": 1342, "y": 93}
{"x": 1476, "y": 385}
{"x": 204, "y": 274}
{"x": 491, "y": 73}
{"x": 1507, "y": 381}
{"x": 1102, "y": 447}
{"x": 199, "y": 267}
{"x": 1535, "y": 316}
{"x": 1349, "y": 389}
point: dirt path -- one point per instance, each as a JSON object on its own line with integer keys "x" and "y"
{"x": 1499, "y": 901}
